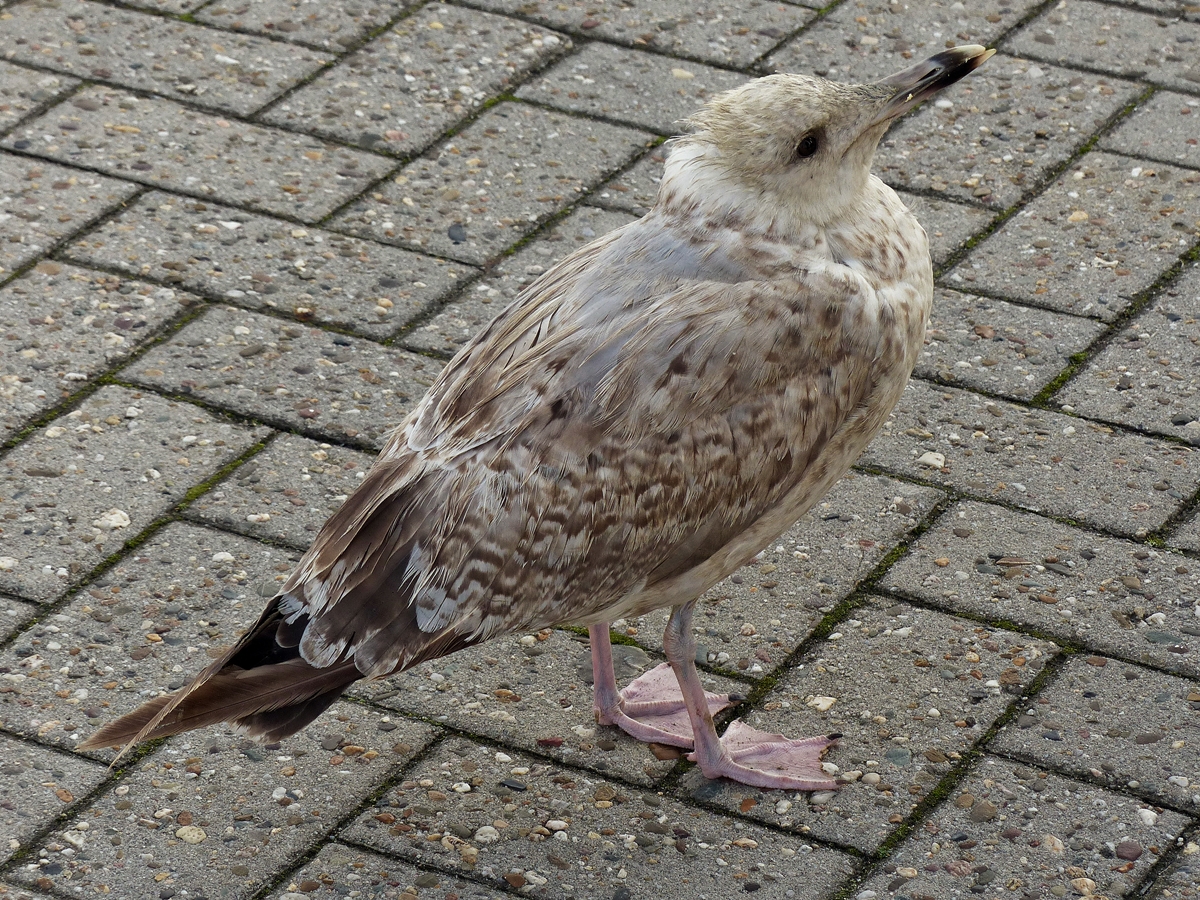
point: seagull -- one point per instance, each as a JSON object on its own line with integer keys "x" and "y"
{"x": 643, "y": 420}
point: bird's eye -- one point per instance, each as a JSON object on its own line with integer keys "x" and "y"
{"x": 807, "y": 147}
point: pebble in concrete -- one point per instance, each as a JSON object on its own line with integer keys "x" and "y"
{"x": 498, "y": 816}
{"x": 911, "y": 690}
{"x": 77, "y": 490}
{"x": 1163, "y": 128}
{"x": 264, "y": 263}
{"x": 170, "y": 146}
{"x": 325, "y": 384}
{"x": 1112, "y": 596}
{"x": 24, "y": 90}
{"x": 321, "y": 23}
{"x": 403, "y": 89}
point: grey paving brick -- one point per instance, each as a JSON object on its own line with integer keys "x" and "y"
{"x": 38, "y": 785}
{"x": 13, "y": 614}
{"x": 1181, "y": 880}
{"x": 1043, "y": 461}
{"x": 405, "y": 88}
{"x": 286, "y": 492}
{"x": 643, "y": 89}
{"x": 1186, "y": 535}
{"x": 264, "y": 263}
{"x": 1105, "y": 230}
{"x": 1000, "y": 347}
{"x": 910, "y": 690}
{"x": 237, "y": 73}
{"x": 1146, "y": 376}
{"x": 493, "y": 183}
{"x": 76, "y": 490}
{"x": 864, "y": 40}
{"x": 1111, "y": 596}
{"x": 1164, "y": 128}
{"x": 459, "y": 320}
{"x": 754, "y": 619}
{"x": 66, "y": 325}
{"x": 325, "y": 384}
{"x": 332, "y": 24}
{"x": 1113, "y": 39}
{"x": 1028, "y": 832}
{"x": 993, "y": 137}
{"x": 170, "y": 146}
{"x": 24, "y": 90}
{"x": 725, "y": 32}
{"x": 615, "y": 840}
{"x": 216, "y": 815}
{"x": 42, "y": 203}
{"x": 10, "y": 892}
{"x": 1116, "y": 723}
{"x": 635, "y": 190}
{"x": 947, "y": 225}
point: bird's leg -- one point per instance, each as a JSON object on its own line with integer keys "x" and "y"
{"x": 651, "y": 708}
{"x": 743, "y": 754}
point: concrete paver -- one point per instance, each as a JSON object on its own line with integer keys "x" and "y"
{"x": 329, "y": 24}
{"x": 1181, "y": 880}
{"x": 13, "y": 614}
{"x": 23, "y": 90}
{"x": 1160, "y": 129}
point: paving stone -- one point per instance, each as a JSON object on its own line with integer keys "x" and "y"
{"x": 642, "y": 89}
{"x": 95, "y": 477}
{"x": 1061, "y": 838}
{"x": 865, "y": 40}
{"x": 24, "y": 90}
{"x": 996, "y": 346}
{"x": 405, "y": 88}
{"x": 1145, "y": 376}
{"x": 992, "y": 137}
{"x": 9, "y": 892}
{"x": 910, "y": 689}
{"x": 324, "y": 384}
{"x": 754, "y": 619}
{"x": 1121, "y": 724}
{"x": 1105, "y": 230}
{"x": 1044, "y": 461}
{"x": 225, "y": 71}
{"x": 635, "y": 190}
{"x": 194, "y": 153}
{"x": 1163, "y": 128}
{"x": 68, "y": 325}
{"x": 1181, "y": 880}
{"x": 213, "y": 814}
{"x": 13, "y": 614}
{"x": 42, "y": 203}
{"x": 947, "y": 225}
{"x": 1186, "y": 535}
{"x": 724, "y": 32}
{"x": 489, "y": 807}
{"x": 459, "y": 320}
{"x": 493, "y": 183}
{"x": 1113, "y": 39}
{"x": 264, "y": 263}
{"x": 349, "y": 871}
{"x": 38, "y": 785}
{"x": 321, "y": 23}
{"x": 1111, "y": 596}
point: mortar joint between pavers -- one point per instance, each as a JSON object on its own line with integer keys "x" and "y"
{"x": 46, "y": 105}
{"x": 1165, "y": 861}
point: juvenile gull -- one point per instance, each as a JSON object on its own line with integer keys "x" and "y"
{"x": 645, "y": 418}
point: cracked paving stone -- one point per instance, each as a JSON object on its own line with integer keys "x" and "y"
{"x": 1044, "y": 461}
{"x": 14, "y": 613}
{"x": 1104, "y": 231}
{"x": 67, "y": 325}
{"x": 1181, "y": 879}
{"x": 1111, "y": 596}
{"x": 496, "y": 815}
{"x": 37, "y": 786}
{"x": 993, "y": 137}
{"x": 406, "y": 87}
{"x": 329, "y": 24}
{"x": 236, "y": 73}
{"x": 1113, "y": 39}
{"x": 166, "y": 145}
{"x": 285, "y": 493}
{"x": 24, "y": 90}
{"x": 1164, "y": 128}
{"x": 1116, "y": 723}
{"x": 95, "y": 477}
{"x": 1012, "y": 828}
{"x": 493, "y": 182}
{"x": 754, "y": 619}
{"x": 213, "y": 814}
{"x": 996, "y": 346}
{"x": 910, "y": 689}
{"x": 325, "y": 384}
{"x": 42, "y": 203}
{"x": 263, "y": 263}
{"x": 642, "y": 89}
{"x": 461, "y": 319}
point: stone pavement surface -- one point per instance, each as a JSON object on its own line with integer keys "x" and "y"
{"x": 238, "y": 240}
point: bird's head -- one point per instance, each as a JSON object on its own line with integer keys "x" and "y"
{"x": 797, "y": 147}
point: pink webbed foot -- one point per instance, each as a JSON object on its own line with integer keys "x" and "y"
{"x": 760, "y": 759}
{"x": 651, "y": 708}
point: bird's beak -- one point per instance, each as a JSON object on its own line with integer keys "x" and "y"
{"x": 926, "y": 78}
